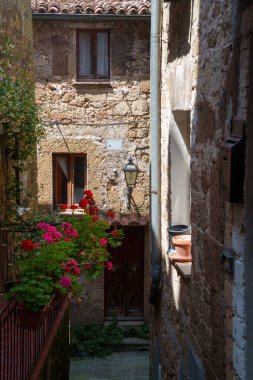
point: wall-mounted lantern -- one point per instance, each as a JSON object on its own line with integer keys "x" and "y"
{"x": 131, "y": 171}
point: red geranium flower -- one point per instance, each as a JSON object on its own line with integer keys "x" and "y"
{"x": 83, "y": 203}
{"x": 88, "y": 193}
{"x": 95, "y": 218}
{"x": 92, "y": 210}
{"x": 115, "y": 232}
{"x": 87, "y": 266}
{"x": 63, "y": 207}
{"x": 73, "y": 207}
{"x": 27, "y": 245}
{"x": 110, "y": 213}
{"x": 91, "y": 202}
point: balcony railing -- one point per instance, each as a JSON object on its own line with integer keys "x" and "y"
{"x": 21, "y": 348}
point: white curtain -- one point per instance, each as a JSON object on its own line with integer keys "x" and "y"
{"x": 84, "y": 54}
{"x": 102, "y": 54}
{"x": 62, "y": 161}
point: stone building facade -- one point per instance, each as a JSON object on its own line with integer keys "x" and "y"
{"x": 102, "y": 120}
{"x": 202, "y": 322}
{"x": 15, "y": 25}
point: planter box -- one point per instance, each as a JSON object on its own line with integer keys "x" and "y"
{"x": 32, "y": 320}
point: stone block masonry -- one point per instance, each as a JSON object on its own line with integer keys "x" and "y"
{"x": 201, "y": 323}
{"x": 89, "y": 114}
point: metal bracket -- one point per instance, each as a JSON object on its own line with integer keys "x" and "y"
{"x": 228, "y": 260}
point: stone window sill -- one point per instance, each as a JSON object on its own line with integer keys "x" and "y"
{"x": 92, "y": 84}
{"x": 183, "y": 269}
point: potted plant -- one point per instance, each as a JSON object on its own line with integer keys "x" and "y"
{"x": 182, "y": 245}
{"x": 52, "y": 258}
{"x": 44, "y": 268}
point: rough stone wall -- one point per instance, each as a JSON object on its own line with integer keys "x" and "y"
{"x": 200, "y": 323}
{"x": 88, "y": 115}
{"x": 16, "y": 25}
{"x": 91, "y": 114}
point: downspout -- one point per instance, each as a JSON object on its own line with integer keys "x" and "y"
{"x": 155, "y": 133}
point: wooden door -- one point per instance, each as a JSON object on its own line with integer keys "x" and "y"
{"x": 124, "y": 285}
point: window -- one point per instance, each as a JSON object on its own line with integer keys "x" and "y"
{"x": 93, "y": 55}
{"x": 69, "y": 178}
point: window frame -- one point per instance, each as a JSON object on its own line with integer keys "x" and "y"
{"x": 93, "y": 53}
{"x": 70, "y": 179}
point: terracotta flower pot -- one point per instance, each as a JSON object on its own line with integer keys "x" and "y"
{"x": 32, "y": 319}
{"x": 182, "y": 244}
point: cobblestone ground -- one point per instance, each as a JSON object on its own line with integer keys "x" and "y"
{"x": 118, "y": 366}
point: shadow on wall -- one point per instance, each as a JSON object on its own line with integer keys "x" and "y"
{"x": 193, "y": 318}
{"x": 179, "y": 29}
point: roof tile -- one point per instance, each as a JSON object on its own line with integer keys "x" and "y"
{"x": 128, "y": 7}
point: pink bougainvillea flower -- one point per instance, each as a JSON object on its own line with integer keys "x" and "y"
{"x": 83, "y": 203}
{"x": 43, "y": 226}
{"x": 63, "y": 207}
{"x": 115, "y": 233}
{"x": 27, "y": 245}
{"x": 73, "y": 262}
{"x": 51, "y": 235}
{"x": 66, "y": 225}
{"x": 103, "y": 241}
{"x": 110, "y": 213}
{"x": 74, "y": 270}
{"x": 109, "y": 265}
{"x": 88, "y": 193}
{"x": 65, "y": 282}
{"x": 71, "y": 232}
{"x": 48, "y": 237}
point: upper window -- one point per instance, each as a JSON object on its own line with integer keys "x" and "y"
{"x": 93, "y": 55}
{"x": 69, "y": 178}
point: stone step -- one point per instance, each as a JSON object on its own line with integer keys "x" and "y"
{"x": 131, "y": 344}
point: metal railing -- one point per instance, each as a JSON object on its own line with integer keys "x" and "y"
{"x": 20, "y": 347}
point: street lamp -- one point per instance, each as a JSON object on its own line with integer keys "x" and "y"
{"x": 131, "y": 171}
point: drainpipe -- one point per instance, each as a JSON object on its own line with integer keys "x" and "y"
{"x": 155, "y": 133}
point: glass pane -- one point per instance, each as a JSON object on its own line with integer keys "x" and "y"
{"x": 85, "y": 54}
{"x": 61, "y": 180}
{"x": 102, "y": 55}
{"x": 79, "y": 178}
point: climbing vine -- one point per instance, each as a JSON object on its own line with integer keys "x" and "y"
{"x": 19, "y": 123}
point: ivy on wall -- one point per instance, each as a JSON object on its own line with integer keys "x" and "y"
{"x": 19, "y": 124}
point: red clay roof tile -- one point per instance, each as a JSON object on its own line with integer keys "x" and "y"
{"x": 128, "y": 7}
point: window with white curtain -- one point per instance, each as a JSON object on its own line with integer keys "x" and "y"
{"x": 93, "y": 52}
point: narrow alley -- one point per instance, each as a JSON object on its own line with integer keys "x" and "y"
{"x": 126, "y": 193}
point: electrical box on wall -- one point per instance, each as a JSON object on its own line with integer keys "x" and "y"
{"x": 232, "y": 169}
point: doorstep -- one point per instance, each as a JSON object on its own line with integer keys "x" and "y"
{"x": 131, "y": 344}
